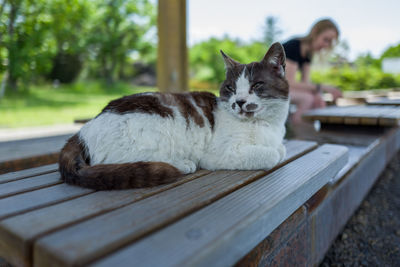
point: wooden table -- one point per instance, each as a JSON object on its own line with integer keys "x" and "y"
{"x": 356, "y": 115}
{"x": 206, "y": 218}
{"x": 29, "y": 153}
{"x": 385, "y": 101}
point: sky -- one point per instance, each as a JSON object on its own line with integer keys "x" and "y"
{"x": 367, "y": 26}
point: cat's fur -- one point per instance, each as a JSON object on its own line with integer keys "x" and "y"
{"x": 152, "y": 138}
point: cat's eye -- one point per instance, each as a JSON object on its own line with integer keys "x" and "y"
{"x": 229, "y": 88}
{"x": 257, "y": 85}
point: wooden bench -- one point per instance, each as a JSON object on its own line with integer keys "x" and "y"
{"x": 29, "y": 153}
{"x": 357, "y": 115}
{"x": 385, "y": 101}
{"x": 206, "y": 218}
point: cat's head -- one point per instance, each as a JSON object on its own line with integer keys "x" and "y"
{"x": 249, "y": 90}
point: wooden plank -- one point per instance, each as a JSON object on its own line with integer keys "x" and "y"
{"x": 356, "y": 153}
{"x": 357, "y": 115}
{"x": 19, "y": 232}
{"x": 10, "y": 249}
{"x": 384, "y": 101}
{"x": 223, "y": 232}
{"x": 12, "y": 176}
{"x": 391, "y": 118}
{"x": 29, "y": 184}
{"x": 28, "y": 148}
{"x": 93, "y": 238}
{"x": 39, "y": 198}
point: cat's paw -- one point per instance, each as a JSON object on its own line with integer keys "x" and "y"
{"x": 186, "y": 166}
{"x": 282, "y": 152}
{"x": 272, "y": 159}
{"x": 260, "y": 157}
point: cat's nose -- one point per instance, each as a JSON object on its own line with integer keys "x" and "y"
{"x": 240, "y": 103}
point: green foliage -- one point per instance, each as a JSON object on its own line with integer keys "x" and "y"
{"x": 206, "y": 63}
{"x": 24, "y": 39}
{"x": 393, "y": 51}
{"x": 119, "y": 28}
{"x": 39, "y": 105}
{"x": 356, "y": 78}
{"x": 55, "y": 39}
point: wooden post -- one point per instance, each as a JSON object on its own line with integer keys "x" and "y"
{"x": 172, "y": 50}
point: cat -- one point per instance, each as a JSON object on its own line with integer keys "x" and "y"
{"x": 150, "y": 139}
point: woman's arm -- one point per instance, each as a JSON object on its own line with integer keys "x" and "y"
{"x": 305, "y": 84}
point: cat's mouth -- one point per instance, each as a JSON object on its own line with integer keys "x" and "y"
{"x": 248, "y": 114}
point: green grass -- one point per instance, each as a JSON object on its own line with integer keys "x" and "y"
{"x": 45, "y": 105}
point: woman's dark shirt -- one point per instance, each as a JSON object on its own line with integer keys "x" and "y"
{"x": 293, "y": 52}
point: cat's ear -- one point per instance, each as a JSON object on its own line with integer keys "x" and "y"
{"x": 229, "y": 62}
{"x": 276, "y": 59}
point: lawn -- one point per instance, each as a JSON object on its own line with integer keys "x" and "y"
{"x": 46, "y": 105}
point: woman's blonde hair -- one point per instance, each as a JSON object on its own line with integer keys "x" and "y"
{"x": 318, "y": 28}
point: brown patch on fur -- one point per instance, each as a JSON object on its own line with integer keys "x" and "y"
{"x": 74, "y": 168}
{"x": 207, "y": 102}
{"x": 187, "y": 109}
{"x": 139, "y": 103}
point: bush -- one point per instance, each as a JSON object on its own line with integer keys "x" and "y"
{"x": 356, "y": 78}
{"x": 206, "y": 61}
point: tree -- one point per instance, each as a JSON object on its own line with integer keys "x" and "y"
{"x": 69, "y": 27}
{"x": 271, "y": 30}
{"x": 393, "y": 51}
{"x": 206, "y": 62}
{"x": 120, "y": 28}
{"x": 24, "y": 27}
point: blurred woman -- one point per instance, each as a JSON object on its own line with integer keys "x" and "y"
{"x": 299, "y": 53}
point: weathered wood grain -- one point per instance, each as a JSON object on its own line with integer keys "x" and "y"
{"x": 39, "y": 198}
{"x": 10, "y": 248}
{"x": 19, "y": 232}
{"x": 356, "y": 153}
{"x": 223, "y": 232}
{"x": 93, "y": 238}
{"x": 27, "y": 148}
{"x": 29, "y": 184}
{"x": 12, "y": 176}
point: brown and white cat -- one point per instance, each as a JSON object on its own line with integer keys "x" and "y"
{"x": 152, "y": 138}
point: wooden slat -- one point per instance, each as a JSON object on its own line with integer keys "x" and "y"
{"x": 384, "y": 101}
{"x": 223, "y": 232}
{"x": 356, "y": 153}
{"x": 391, "y": 118}
{"x": 10, "y": 249}
{"x": 39, "y": 198}
{"x": 19, "y": 232}
{"x": 357, "y": 115}
{"x": 29, "y": 184}
{"x": 91, "y": 239}
{"x": 27, "y": 148}
{"x": 12, "y": 176}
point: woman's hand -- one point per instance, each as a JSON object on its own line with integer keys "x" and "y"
{"x": 336, "y": 93}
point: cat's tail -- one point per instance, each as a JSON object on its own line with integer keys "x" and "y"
{"x": 75, "y": 169}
